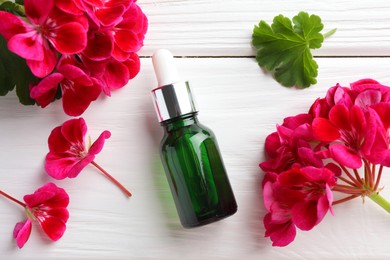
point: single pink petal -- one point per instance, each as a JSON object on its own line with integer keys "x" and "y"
{"x": 339, "y": 117}
{"x": 75, "y": 100}
{"x": 43, "y": 68}
{"x": 268, "y": 195}
{"x": 59, "y": 167}
{"x": 292, "y": 177}
{"x": 68, "y": 6}
{"x": 345, "y": 156}
{"x": 280, "y": 234}
{"x": 11, "y": 25}
{"x": 304, "y": 215}
{"x": 72, "y": 72}
{"x": 74, "y": 131}
{"x": 59, "y": 212}
{"x": 22, "y": 232}
{"x": 63, "y": 33}
{"x": 38, "y": 10}
{"x": 367, "y": 98}
{"x": 127, "y": 41}
{"x": 323, "y": 206}
{"x": 323, "y": 130}
{"x": 41, "y": 195}
{"x": 57, "y": 142}
{"x": 329, "y": 196}
{"x": 383, "y": 111}
{"x": 133, "y": 64}
{"x": 120, "y": 55}
{"x": 109, "y": 16}
{"x": 45, "y": 91}
{"x": 53, "y": 227}
{"x": 97, "y": 146}
{"x": 28, "y": 45}
{"x": 79, "y": 166}
{"x": 272, "y": 144}
{"x": 116, "y": 75}
{"x": 357, "y": 119}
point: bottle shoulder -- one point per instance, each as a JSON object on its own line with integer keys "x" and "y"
{"x": 195, "y": 133}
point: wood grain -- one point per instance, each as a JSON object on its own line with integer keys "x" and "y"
{"x": 224, "y": 27}
{"x": 242, "y": 105}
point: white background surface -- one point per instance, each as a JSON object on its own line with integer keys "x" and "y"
{"x": 240, "y": 102}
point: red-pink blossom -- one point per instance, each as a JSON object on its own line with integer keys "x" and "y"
{"x": 298, "y": 197}
{"x": 77, "y": 87}
{"x": 68, "y": 154}
{"x": 46, "y": 31}
{"x": 349, "y": 126}
{"x": 47, "y": 206}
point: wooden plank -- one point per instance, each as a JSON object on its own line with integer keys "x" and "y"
{"x": 242, "y": 105}
{"x": 224, "y": 27}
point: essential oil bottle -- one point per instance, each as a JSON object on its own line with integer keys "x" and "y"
{"x": 189, "y": 151}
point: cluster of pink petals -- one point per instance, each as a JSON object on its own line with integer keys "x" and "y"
{"x": 68, "y": 153}
{"x": 347, "y": 128}
{"x": 101, "y": 37}
{"x": 47, "y": 206}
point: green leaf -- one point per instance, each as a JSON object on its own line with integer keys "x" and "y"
{"x": 11, "y": 7}
{"x": 15, "y": 72}
{"x": 284, "y": 48}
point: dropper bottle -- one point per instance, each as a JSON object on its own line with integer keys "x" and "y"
{"x": 189, "y": 151}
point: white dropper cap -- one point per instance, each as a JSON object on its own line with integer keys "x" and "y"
{"x": 173, "y": 97}
{"x": 164, "y": 68}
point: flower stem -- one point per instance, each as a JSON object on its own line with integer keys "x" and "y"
{"x": 330, "y": 33}
{"x": 378, "y": 199}
{"x": 345, "y": 199}
{"x": 112, "y": 179}
{"x": 13, "y": 199}
{"x": 378, "y": 178}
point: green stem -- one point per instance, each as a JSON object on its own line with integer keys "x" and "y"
{"x": 330, "y": 33}
{"x": 378, "y": 199}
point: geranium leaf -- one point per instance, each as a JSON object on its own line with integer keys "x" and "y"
{"x": 15, "y": 72}
{"x": 284, "y": 48}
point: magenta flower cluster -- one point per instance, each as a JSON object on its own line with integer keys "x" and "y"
{"x": 80, "y": 48}
{"x": 340, "y": 145}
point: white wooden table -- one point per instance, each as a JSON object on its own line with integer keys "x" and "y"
{"x": 238, "y": 101}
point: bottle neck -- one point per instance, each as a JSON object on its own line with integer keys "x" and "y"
{"x": 179, "y": 122}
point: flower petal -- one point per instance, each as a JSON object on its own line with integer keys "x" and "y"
{"x": 45, "y": 91}
{"x": 304, "y": 215}
{"x": 59, "y": 167}
{"x": 109, "y": 16}
{"x": 74, "y": 131}
{"x": 63, "y": 33}
{"x": 339, "y": 117}
{"x": 22, "y": 232}
{"x": 323, "y": 130}
{"x": 11, "y": 25}
{"x": 43, "y": 68}
{"x": 97, "y": 146}
{"x": 38, "y": 10}
{"x": 99, "y": 47}
{"x": 53, "y": 227}
{"x": 345, "y": 156}
{"x": 28, "y": 45}
{"x": 116, "y": 75}
{"x": 280, "y": 234}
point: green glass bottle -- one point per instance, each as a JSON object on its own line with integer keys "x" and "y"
{"x": 189, "y": 152}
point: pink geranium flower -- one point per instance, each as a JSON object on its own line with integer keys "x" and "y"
{"x": 47, "y": 206}
{"x": 47, "y": 31}
{"x": 77, "y": 87}
{"x": 349, "y": 129}
{"x": 299, "y": 197}
{"x": 68, "y": 154}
